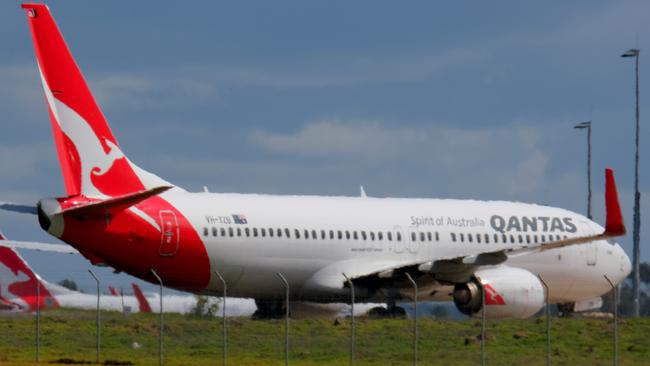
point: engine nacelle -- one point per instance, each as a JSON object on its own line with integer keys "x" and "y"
{"x": 509, "y": 293}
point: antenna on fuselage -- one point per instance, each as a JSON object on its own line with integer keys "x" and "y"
{"x": 205, "y": 189}
{"x": 362, "y": 192}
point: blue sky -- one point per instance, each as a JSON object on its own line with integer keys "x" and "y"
{"x": 425, "y": 99}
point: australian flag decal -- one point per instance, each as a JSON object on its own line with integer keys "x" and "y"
{"x": 239, "y": 219}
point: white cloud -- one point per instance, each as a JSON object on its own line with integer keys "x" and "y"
{"x": 510, "y": 159}
{"x": 150, "y": 91}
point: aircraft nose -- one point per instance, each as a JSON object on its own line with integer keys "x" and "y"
{"x": 626, "y": 265}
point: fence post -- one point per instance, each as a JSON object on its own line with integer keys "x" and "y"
{"x": 352, "y": 325}
{"x": 38, "y": 321}
{"x": 97, "y": 319}
{"x": 548, "y": 321}
{"x": 122, "y": 296}
{"x": 615, "y": 300}
{"x": 286, "y": 319}
{"x": 482, "y": 324}
{"x": 161, "y": 320}
{"x": 415, "y": 319}
{"x": 223, "y": 319}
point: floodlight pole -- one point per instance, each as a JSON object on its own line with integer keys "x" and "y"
{"x": 587, "y": 126}
{"x": 636, "y": 236}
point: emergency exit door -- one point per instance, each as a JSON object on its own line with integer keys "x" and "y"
{"x": 170, "y": 233}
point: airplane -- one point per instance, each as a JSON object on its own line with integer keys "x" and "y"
{"x": 18, "y": 290}
{"x": 495, "y": 256}
{"x": 18, "y": 293}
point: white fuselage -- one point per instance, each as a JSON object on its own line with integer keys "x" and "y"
{"x": 359, "y": 235}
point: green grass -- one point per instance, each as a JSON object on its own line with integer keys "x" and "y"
{"x": 192, "y": 341}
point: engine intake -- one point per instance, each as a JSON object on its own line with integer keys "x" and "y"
{"x": 509, "y": 293}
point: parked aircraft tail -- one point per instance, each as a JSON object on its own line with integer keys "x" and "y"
{"x": 143, "y": 303}
{"x": 19, "y": 285}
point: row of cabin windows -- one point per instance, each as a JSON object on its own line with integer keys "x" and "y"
{"x": 505, "y": 238}
{"x": 313, "y": 234}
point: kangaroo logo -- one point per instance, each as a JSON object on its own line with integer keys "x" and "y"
{"x": 492, "y": 297}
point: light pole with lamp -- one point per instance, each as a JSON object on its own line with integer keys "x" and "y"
{"x": 587, "y": 126}
{"x": 634, "y": 52}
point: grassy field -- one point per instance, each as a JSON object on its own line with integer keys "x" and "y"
{"x": 70, "y": 334}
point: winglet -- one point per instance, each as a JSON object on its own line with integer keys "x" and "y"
{"x": 614, "y": 225}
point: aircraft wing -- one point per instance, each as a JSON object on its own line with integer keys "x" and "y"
{"x": 459, "y": 269}
{"x": 58, "y": 248}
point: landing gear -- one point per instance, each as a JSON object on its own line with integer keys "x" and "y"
{"x": 565, "y": 310}
{"x": 269, "y": 309}
{"x": 390, "y": 311}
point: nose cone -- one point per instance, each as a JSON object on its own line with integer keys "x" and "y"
{"x": 624, "y": 267}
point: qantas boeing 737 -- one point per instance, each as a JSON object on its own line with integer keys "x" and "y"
{"x": 119, "y": 215}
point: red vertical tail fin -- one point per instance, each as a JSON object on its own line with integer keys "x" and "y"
{"x": 18, "y": 283}
{"x": 142, "y": 301}
{"x": 91, "y": 160}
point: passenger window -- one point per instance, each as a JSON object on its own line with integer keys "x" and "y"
{"x": 535, "y": 239}
{"x": 255, "y": 232}
{"x": 422, "y": 236}
{"x": 297, "y": 233}
{"x": 314, "y": 235}
{"x": 270, "y": 232}
{"x": 205, "y": 231}
{"x": 453, "y": 237}
{"x": 543, "y": 238}
{"x": 505, "y": 239}
{"x": 390, "y": 236}
{"x": 413, "y": 236}
{"x": 331, "y": 234}
{"x": 496, "y": 238}
{"x": 487, "y": 239}
{"x": 231, "y": 232}
{"x": 263, "y": 232}
{"x": 239, "y": 231}
{"x": 340, "y": 234}
{"x": 437, "y": 236}
{"x": 354, "y": 235}
{"x": 363, "y": 235}
{"x": 512, "y": 239}
{"x": 372, "y": 235}
{"x": 347, "y": 234}
{"x": 469, "y": 238}
{"x": 478, "y": 238}
{"x": 214, "y": 231}
{"x": 429, "y": 237}
{"x": 322, "y": 235}
{"x": 399, "y": 236}
{"x": 247, "y": 231}
{"x": 380, "y": 236}
{"x": 566, "y": 237}
{"x": 287, "y": 233}
{"x": 306, "y": 234}
{"x": 527, "y": 239}
{"x": 223, "y": 231}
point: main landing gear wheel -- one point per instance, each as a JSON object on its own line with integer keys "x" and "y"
{"x": 269, "y": 309}
{"x": 381, "y": 312}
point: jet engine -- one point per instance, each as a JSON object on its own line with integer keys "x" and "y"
{"x": 509, "y": 293}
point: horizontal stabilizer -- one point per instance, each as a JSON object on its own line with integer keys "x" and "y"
{"x": 115, "y": 203}
{"x": 16, "y": 207}
{"x": 42, "y": 247}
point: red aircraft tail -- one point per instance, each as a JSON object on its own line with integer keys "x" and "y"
{"x": 142, "y": 301}
{"x": 18, "y": 284}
